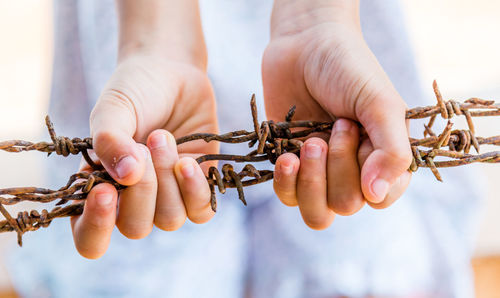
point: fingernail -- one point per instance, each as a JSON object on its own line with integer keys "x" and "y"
{"x": 286, "y": 169}
{"x": 342, "y": 125}
{"x": 313, "y": 151}
{"x": 104, "y": 199}
{"x": 187, "y": 170}
{"x": 283, "y": 170}
{"x": 380, "y": 188}
{"x": 158, "y": 141}
{"x": 125, "y": 166}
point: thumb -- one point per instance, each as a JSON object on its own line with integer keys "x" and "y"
{"x": 383, "y": 117}
{"x": 113, "y": 124}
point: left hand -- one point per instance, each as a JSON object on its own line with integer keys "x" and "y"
{"x": 318, "y": 60}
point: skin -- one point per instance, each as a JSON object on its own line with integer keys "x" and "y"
{"x": 158, "y": 92}
{"x": 316, "y": 59}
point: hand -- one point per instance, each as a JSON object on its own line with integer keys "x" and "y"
{"x": 148, "y": 100}
{"x": 318, "y": 60}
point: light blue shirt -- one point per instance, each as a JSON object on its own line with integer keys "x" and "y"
{"x": 419, "y": 246}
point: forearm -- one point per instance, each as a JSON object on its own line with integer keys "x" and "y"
{"x": 292, "y": 16}
{"x": 171, "y": 28}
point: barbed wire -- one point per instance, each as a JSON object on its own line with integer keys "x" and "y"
{"x": 272, "y": 140}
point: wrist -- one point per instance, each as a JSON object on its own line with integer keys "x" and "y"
{"x": 292, "y": 17}
{"x": 163, "y": 51}
{"x": 169, "y": 29}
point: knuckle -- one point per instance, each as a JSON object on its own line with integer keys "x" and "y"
{"x": 104, "y": 145}
{"x": 201, "y": 217}
{"x": 99, "y": 219}
{"x": 148, "y": 184}
{"x": 103, "y": 137}
{"x": 317, "y": 222}
{"x": 90, "y": 252}
{"x": 345, "y": 204}
{"x": 169, "y": 220}
{"x": 312, "y": 181}
{"x": 165, "y": 168}
{"x": 340, "y": 149}
{"x": 99, "y": 215}
{"x": 287, "y": 196}
{"x": 98, "y": 224}
{"x": 160, "y": 153}
{"x": 402, "y": 158}
{"x": 111, "y": 98}
{"x": 289, "y": 201}
{"x": 196, "y": 195}
{"x": 117, "y": 98}
{"x": 134, "y": 229}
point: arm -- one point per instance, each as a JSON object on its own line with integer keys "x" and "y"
{"x": 293, "y": 16}
{"x": 169, "y": 27}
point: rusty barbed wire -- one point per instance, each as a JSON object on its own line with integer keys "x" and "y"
{"x": 272, "y": 140}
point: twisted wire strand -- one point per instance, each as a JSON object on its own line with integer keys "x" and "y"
{"x": 271, "y": 139}
{"x": 459, "y": 142}
{"x": 76, "y": 188}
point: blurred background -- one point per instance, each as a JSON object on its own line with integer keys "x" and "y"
{"x": 455, "y": 42}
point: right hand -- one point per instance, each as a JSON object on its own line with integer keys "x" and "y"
{"x": 148, "y": 100}
{"x": 318, "y": 60}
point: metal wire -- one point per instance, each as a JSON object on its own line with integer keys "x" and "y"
{"x": 272, "y": 140}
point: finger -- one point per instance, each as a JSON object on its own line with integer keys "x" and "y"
{"x": 344, "y": 186}
{"x": 285, "y": 178}
{"x": 396, "y": 191}
{"x": 365, "y": 149}
{"x": 383, "y": 116}
{"x": 311, "y": 185}
{"x": 194, "y": 189}
{"x": 136, "y": 207}
{"x": 113, "y": 124}
{"x": 92, "y": 230}
{"x": 170, "y": 213}
{"x": 397, "y": 188}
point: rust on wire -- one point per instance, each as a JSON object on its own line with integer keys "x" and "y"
{"x": 272, "y": 140}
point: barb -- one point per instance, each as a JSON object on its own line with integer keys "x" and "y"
{"x": 272, "y": 140}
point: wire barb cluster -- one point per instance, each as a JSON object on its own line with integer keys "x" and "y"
{"x": 459, "y": 142}
{"x": 272, "y": 140}
{"x": 77, "y": 188}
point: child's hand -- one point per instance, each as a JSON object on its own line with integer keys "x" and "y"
{"x": 152, "y": 101}
{"x": 317, "y": 60}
